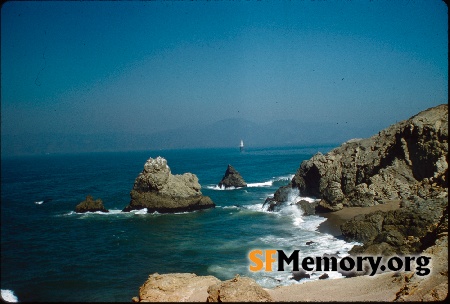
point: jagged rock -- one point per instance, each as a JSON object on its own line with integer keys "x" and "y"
{"x": 232, "y": 178}
{"x": 90, "y": 205}
{"x": 283, "y": 193}
{"x": 158, "y": 190}
{"x": 238, "y": 289}
{"x": 307, "y": 207}
{"x": 175, "y": 287}
{"x": 408, "y": 158}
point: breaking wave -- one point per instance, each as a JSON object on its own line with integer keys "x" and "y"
{"x": 9, "y": 296}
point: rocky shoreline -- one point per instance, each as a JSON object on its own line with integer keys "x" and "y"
{"x": 389, "y": 192}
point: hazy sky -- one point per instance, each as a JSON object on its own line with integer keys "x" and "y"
{"x": 95, "y": 67}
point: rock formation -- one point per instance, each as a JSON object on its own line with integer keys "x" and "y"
{"x": 175, "y": 287}
{"x": 238, "y": 289}
{"x": 433, "y": 287}
{"x": 90, "y": 205}
{"x": 158, "y": 190}
{"x": 408, "y": 163}
{"x": 410, "y": 229}
{"x": 188, "y": 287}
{"x": 408, "y": 158}
{"x": 232, "y": 178}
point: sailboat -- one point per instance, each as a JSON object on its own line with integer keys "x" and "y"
{"x": 241, "y": 147}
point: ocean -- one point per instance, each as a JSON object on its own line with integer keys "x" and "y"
{"x": 51, "y": 253}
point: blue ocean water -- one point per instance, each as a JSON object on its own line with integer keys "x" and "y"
{"x": 50, "y": 253}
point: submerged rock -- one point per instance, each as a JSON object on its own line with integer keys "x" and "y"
{"x": 157, "y": 189}
{"x": 232, "y": 178}
{"x": 89, "y": 205}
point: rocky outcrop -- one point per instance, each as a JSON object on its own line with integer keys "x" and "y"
{"x": 232, "y": 178}
{"x": 408, "y": 158}
{"x": 89, "y": 205}
{"x": 433, "y": 287}
{"x": 188, "y": 287}
{"x": 410, "y": 229}
{"x": 238, "y": 289}
{"x": 175, "y": 287}
{"x": 158, "y": 190}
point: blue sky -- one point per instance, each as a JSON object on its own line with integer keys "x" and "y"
{"x": 141, "y": 67}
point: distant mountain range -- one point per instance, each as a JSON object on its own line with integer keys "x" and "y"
{"x": 224, "y": 133}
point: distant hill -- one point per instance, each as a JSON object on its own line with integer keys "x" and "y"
{"x": 224, "y": 133}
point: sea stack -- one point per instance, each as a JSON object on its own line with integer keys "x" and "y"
{"x": 232, "y": 178}
{"x": 157, "y": 189}
{"x": 89, "y": 205}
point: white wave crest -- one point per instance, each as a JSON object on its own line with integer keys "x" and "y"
{"x": 39, "y": 202}
{"x": 263, "y": 184}
{"x": 9, "y": 296}
{"x": 216, "y": 187}
{"x": 228, "y": 207}
{"x": 284, "y": 178}
{"x": 140, "y": 211}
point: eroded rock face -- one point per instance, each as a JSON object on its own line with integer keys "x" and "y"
{"x": 408, "y": 158}
{"x": 89, "y": 205}
{"x": 232, "y": 178}
{"x": 157, "y": 189}
{"x": 432, "y": 287}
{"x": 175, "y": 287}
{"x": 410, "y": 229}
{"x": 238, "y": 289}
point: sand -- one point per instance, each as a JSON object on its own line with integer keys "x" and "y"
{"x": 382, "y": 287}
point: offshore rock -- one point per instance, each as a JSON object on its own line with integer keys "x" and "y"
{"x": 89, "y": 205}
{"x": 232, "y": 178}
{"x": 175, "y": 287}
{"x": 157, "y": 189}
{"x": 407, "y": 158}
{"x": 238, "y": 289}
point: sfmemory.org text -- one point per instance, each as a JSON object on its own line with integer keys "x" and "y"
{"x": 263, "y": 260}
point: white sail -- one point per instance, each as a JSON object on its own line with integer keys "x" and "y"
{"x": 242, "y": 143}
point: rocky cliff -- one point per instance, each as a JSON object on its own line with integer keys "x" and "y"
{"x": 157, "y": 189}
{"x": 408, "y": 158}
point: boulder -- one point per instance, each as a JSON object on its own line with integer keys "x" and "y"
{"x": 232, "y": 178}
{"x": 408, "y": 158}
{"x": 307, "y": 207}
{"x": 157, "y": 189}
{"x": 175, "y": 287}
{"x": 238, "y": 289}
{"x": 301, "y": 274}
{"x": 89, "y": 205}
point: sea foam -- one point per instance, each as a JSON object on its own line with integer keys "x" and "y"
{"x": 9, "y": 296}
